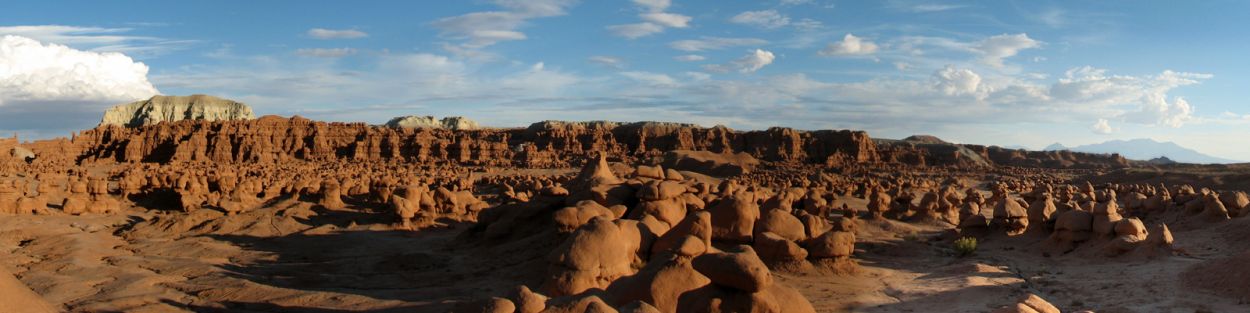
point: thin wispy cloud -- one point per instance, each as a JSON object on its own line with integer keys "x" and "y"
{"x": 326, "y": 34}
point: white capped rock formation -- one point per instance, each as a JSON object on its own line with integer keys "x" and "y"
{"x": 175, "y": 108}
{"x": 450, "y": 122}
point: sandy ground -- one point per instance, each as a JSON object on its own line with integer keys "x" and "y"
{"x": 292, "y": 256}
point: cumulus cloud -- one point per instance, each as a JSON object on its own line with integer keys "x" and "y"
{"x": 324, "y": 34}
{"x": 655, "y": 20}
{"x": 1145, "y": 95}
{"x": 753, "y": 61}
{"x": 768, "y": 19}
{"x": 326, "y": 52}
{"x": 482, "y": 29}
{"x": 49, "y": 72}
{"x": 954, "y": 81}
{"x": 50, "y": 89}
{"x": 850, "y": 45}
{"x": 714, "y": 43}
{"x": 996, "y": 48}
{"x": 1101, "y": 127}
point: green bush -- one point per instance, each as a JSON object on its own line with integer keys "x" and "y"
{"x": 965, "y": 246}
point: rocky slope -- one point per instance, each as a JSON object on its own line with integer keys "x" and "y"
{"x": 176, "y": 108}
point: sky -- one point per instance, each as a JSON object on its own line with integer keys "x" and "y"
{"x": 1008, "y": 73}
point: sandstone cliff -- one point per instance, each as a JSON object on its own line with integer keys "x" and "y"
{"x": 416, "y": 121}
{"x": 176, "y": 108}
{"x": 551, "y": 143}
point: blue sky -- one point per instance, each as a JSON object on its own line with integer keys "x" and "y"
{"x": 989, "y": 72}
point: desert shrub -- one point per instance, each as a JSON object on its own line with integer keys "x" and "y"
{"x": 965, "y": 246}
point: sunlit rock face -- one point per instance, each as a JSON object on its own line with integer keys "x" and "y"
{"x": 416, "y": 121}
{"x": 176, "y": 108}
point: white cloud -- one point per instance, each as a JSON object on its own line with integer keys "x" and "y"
{"x": 634, "y": 31}
{"x": 1101, "y": 127}
{"x": 850, "y": 45}
{"x": 655, "y": 79}
{"x": 98, "y": 39}
{"x": 49, "y": 90}
{"x": 608, "y": 61}
{"x": 38, "y": 71}
{"x": 690, "y": 58}
{"x": 698, "y": 76}
{"x": 326, "y": 52}
{"x": 655, "y": 20}
{"x": 808, "y": 24}
{"x": 667, "y": 19}
{"x": 483, "y": 29}
{"x": 322, "y": 33}
{"x": 753, "y": 61}
{"x": 795, "y": 2}
{"x": 921, "y": 7}
{"x": 902, "y": 66}
{"x": 654, "y": 5}
{"x": 1138, "y": 99}
{"x": 714, "y": 43}
{"x": 954, "y": 82}
{"x": 996, "y": 48}
{"x": 768, "y": 19}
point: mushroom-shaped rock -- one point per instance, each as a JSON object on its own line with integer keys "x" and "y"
{"x": 1042, "y": 210}
{"x": 331, "y": 195}
{"x": 774, "y": 249}
{"x": 660, "y": 283}
{"x": 661, "y": 190}
{"x": 831, "y": 244}
{"x": 733, "y": 218}
{"x": 698, "y": 225}
{"x": 580, "y": 304}
{"x": 776, "y": 298}
{"x": 738, "y": 270}
{"x": 1212, "y": 209}
{"x": 653, "y": 172}
{"x": 1010, "y": 216}
{"x": 570, "y": 218}
{"x": 1071, "y": 228}
{"x": 527, "y": 301}
{"x": 1106, "y": 214}
{"x": 782, "y": 223}
{"x": 594, "y": 256}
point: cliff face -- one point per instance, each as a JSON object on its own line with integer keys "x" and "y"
{"x": 551, "y": 143}
{"x": 450, "y": 122}
{"x": 176, "y": 108}
{"x": 543, "y": 144}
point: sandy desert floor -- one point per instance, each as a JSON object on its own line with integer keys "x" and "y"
{"x": 294, "y": 256}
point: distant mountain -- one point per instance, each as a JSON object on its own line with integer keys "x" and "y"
{"x": 1017, "y": 147}
{"x": 1054, "y": 147}
{"x": 1145, "y": 149}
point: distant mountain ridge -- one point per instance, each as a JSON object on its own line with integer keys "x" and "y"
{"x": 1145, "y": 149}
